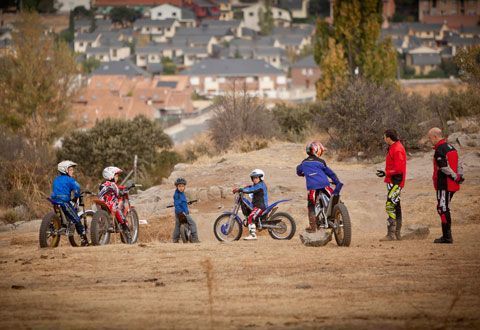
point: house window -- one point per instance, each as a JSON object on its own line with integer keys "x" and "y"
{"x": 279, "y": 13}
{"x": 114, "y": 53}
{"x": 89, "y": 44}
{"x": 251, "y": 14}
{"x": 159, "y": 14}
{"x": 147, "y": 29}
{"x": 174, "y": 14}
{"x": 81, "y": 44}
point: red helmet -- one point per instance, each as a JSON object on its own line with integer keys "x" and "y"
{"x": 315, "y": 148}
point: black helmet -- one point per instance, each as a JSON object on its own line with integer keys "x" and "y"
{"x": 180, "y": 181}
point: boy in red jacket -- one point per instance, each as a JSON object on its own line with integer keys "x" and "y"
{"x": 395, "y": 174}
{"x": 447, "y": 176}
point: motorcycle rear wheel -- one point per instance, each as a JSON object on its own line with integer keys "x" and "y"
{"x": 220, "y": 229}
{"x": 47, "y": 237}
{"x": 100, "y": 234}
{"x": 287, "y": 224}
{"x": 86, "y": 220}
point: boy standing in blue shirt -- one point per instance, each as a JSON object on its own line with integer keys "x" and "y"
{"x": 63, "y": 186}
{"x": 181, "y": 208}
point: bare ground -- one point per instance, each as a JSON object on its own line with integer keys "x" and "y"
{"x": 266, "y": 284}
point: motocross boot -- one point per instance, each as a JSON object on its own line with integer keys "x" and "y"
{"x": 84, "y": 240}
{"x": 390, "y": 231}
{"x": 446, "y": 235}
{"x": 398, "y": 227}
{"x": 312, "y": 219}
{"x": 253, "y": 232}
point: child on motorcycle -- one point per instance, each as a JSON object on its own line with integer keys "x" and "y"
{"x": 181, "y": 209}
{"x": 109, "y": 192}
{"x": 259, "y": 200}
{"x": 317, "y": 173}
{"x": 63, "y": 186}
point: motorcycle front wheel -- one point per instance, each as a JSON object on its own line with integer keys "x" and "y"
{"x": 101, "y": 223}
{"x": 133, "y": 223}
{"x": 343, "y": 230}
{"x": 227, "y": 229}
{"x": 86, "y": 219}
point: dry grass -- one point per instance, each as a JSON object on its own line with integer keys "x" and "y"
{"x": 158, "y": 229}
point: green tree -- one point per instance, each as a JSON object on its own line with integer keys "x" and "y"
{"x": 169, "y": 67}
{"x": 468, "y": 62}
{"x": 115, "y": 142}
{"x": 334, "y": 70}
{"x": 36, "y": 82}
{"x": 356, "y": 28}
{"x": 266, "y": 18}
{"x": 90, "y": 64}
{"x": 123, "y": 15}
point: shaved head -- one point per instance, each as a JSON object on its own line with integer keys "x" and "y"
{"x": 434, "y": 135}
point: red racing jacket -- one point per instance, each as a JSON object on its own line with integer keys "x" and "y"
{"x": 445, "y": 160}
{"x": 396, "y": 164}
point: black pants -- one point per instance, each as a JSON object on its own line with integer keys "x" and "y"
{"x": 443, "y": 208}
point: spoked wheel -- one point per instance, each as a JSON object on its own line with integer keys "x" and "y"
{"x": 185, "y": 233}
{"x": 86, "y": 219}
{"x": 48, "y": 235}
{"x": 343, "y": 230}
{"x": 132, "y": 236}
{"x": 227, "y": 229}
{"x": 100, "y": 233}
{"x": 286, "y": 226}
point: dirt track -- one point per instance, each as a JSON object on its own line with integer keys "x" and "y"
{"x": 264, "y": 284}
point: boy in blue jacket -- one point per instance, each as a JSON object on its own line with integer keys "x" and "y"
{"x": 181, "y": 208}
{"x": 63, "y": 186}
{"x": 317, "y": 173}
{"x": 259, "y": 200}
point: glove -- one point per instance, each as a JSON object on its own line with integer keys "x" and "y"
{"x": 235, "y": 190}
{"x": 337, "y": 189}
{"x": 380, "y": 173}
{"x": 459, "y": 179}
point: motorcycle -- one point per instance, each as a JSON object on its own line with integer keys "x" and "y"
{"x": 332, "y": 214}
{"x": 228, "y": 226}
{"x": 185, "y": 230}
{"x": 104, "y": 222}
{"x": 56, "y": 223}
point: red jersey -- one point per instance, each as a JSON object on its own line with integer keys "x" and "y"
{"x": 396, "y": 163}
{"x": 445, "y": 156}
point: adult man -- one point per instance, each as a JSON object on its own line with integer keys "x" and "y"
{"x": 395, "y": 173}
{"x": 447, "y": 176}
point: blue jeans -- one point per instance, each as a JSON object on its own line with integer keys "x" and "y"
{"x": 71, "y": 214}
{"x": 193, "y": 228}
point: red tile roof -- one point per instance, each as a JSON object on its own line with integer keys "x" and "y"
{"x": 104, "y": 3}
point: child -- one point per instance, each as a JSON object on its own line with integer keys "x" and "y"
{"x": 109, "y": 192}
{"x": 316, "y": 173}
{"x": 259, "y": 200}
{"x": 63, "y": 186}
{"x": 181, "y": 207}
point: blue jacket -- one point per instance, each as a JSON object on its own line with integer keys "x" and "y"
{"x": 260, "y": 194}
{"x": 63, "y": 185}
{"x": 180, "y": 202}
{"x": 316, "y": 173}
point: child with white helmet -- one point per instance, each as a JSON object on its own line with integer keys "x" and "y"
{"x": 259, "y": 200}
{"x": 63, "y": 186}
{"x": 109, "y": 193}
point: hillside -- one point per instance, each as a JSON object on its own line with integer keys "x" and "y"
{"x": 265, "y": 284}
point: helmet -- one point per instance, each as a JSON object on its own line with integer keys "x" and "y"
{"x": 109, "y": 172}
{"x": 315, "y": 148}
{"x": 180, "y": 181}
{"x": 257, "y": 173}
{"x": 64, "y": 165}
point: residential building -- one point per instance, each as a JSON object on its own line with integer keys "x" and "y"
{"x": 251, "y": 16}
{"x": 305, "y": 73}
{"x": 158, "y": 30}
{"x": 204, "y": 9}
{"x": 184, "y": 16}
{"x": 86, "y": 40}
{"x": 455, "y": 13}
{"x": 217, "y": 76}
{"x": 298, "y": 8}
{"x": 65, "y": 6}
{"x": 134, "y": 3}
{"x": 153, "y": 53}
{"x": 423, "y": 60}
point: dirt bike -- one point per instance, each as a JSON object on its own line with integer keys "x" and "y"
{"x": 104, "y": 222}
{"x": 228, "y": 226}
{"x": 185, "y": 231}
{"x": 56, "y": 223}
{"x": 332, "y": 214}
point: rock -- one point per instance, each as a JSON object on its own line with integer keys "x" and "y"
{"x": 361, "y": 154}
{"x": 415, "y": 231}
{"x": 22, "y": 212}
{"x": 319, "y": 238}
{"x": 214, "y": 192}
{"x": 202, "y": 195}
{"x": 180, "y": 167}
{"x": 451, "y": 122}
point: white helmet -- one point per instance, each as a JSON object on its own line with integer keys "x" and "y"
{"x": 257, "y": 173}
{"x": 64, "y": 165}
{"x": 109, "y": 172}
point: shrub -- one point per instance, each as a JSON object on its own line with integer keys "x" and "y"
{"x": 240, "y": 116}
{"x": 115, "y": 142}
{"x": 295, "y": 121}
{"x": 356, "y": 116}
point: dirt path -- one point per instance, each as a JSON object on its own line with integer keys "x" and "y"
{"x": 265, "y": 284}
